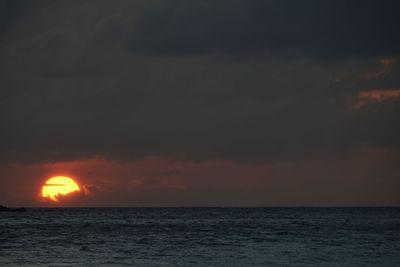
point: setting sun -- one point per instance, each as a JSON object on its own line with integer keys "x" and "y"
{"x": 59, "y": 185}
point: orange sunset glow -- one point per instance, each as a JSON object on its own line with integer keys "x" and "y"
{"x": 59, "y": 185}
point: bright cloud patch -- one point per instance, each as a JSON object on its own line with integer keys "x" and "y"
{"x": 367, "y": 97}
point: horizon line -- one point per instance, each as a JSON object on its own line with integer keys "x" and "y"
{"x": 158, "y": 207}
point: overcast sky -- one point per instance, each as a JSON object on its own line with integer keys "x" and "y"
{"x": 206, "y": 103}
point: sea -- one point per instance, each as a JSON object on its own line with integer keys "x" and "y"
{"x": 200, "y": 237}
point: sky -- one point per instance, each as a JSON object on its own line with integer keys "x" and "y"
{"x": 201, "y": 103}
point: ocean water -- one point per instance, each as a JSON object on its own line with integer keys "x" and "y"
{"x": 201, "y": 237}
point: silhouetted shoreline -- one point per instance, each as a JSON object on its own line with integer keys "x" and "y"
{"x": 3, "y": 208}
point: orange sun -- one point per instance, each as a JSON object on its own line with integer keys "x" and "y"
{"x": 59, "y": 185}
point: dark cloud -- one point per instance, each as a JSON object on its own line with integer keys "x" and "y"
{"x": 12, "y": 11}
{"x": 238, "y": 80}
{"x": 318, "y": 29}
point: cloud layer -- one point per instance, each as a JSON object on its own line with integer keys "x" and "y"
{"x": 244, "y": 80}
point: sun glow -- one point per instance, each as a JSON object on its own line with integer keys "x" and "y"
{"x": 59, "y": 185}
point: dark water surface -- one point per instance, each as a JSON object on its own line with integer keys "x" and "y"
{"x": 201, "y": 237}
